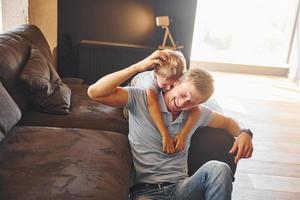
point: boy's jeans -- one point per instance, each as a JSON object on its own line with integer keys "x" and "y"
{"x": 212, "y": 181}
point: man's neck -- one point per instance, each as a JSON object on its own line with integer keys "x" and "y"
{"x": 175, "y": 115}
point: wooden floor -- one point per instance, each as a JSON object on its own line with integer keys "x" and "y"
{"x": 270, "y": 106}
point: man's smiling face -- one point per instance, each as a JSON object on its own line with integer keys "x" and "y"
{"x": 183, "y": 96}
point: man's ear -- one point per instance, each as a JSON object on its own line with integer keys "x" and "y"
{"x": 177, "y": 82}
{"x": 155, "y": 74}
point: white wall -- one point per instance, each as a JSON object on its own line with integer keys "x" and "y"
{"x": 294, "y": 60}
{"x": 43, "y": 13}
{"x": 14, "y": 13}
{"x": 1, "y": 26}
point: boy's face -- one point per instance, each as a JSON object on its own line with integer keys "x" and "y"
{"x": 165, "y": 84}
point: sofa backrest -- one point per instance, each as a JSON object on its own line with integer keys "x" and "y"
{"x": 35, "y": 36}
{"x": 15, "y": 46}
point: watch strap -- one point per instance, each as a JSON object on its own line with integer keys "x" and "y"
{"x": 248, "y": 131}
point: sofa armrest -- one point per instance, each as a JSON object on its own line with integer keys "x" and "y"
{"x": 210, "y": 144}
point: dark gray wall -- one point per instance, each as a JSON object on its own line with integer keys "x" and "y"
{"x": 121, "y": 21}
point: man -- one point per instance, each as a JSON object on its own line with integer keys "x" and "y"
{"x": 164, "y": 176}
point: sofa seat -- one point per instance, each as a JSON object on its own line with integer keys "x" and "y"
{"x": 81, "y": 164}
{"x": 84, "y": 113}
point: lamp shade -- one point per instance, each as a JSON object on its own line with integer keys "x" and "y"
{"x": 162, "y": 21}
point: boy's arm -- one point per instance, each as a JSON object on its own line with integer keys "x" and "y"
{"x": 190, "y": 123}
{"x": 242, "y": 146}
{"x": 107, "y": 91}
{"x": 155, "y": 113}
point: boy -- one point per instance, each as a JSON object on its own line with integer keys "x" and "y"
{"x": 163, "y": 77}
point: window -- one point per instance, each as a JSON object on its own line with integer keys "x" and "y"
{"x": 255, "y": 32}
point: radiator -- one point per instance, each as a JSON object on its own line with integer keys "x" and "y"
{"x": 97, "y": 59}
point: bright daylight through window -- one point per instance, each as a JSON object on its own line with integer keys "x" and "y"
{"x": 255, "y": 32}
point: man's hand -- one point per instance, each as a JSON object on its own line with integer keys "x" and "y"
{"x": 179, "y": 142}
{"x": 156, "y": 58}
{"x": 242, "y": 146}
{"x": 168, "y": 144}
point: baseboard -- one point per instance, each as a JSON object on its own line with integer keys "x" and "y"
{"x": 241, "y": 68}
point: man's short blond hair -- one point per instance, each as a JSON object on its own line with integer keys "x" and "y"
{"x": 173, "y": 66}
{"x": 202, "y": 80}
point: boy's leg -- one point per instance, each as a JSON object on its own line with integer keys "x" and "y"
{"x": 212, "y": 181}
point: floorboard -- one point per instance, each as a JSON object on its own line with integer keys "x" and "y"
{"x": 270, "y": 106}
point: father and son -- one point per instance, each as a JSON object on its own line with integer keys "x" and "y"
{"x": 164, "y": 106}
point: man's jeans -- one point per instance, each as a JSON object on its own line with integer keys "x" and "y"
{"x": 212, "y": 181}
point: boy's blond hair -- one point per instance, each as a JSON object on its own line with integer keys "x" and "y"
{"x": 202, "y": 80}
{"x": 173, "y": 66}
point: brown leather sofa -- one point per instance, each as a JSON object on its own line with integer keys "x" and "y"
{"x": 82, "y": 155}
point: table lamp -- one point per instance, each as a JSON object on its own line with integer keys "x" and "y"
{"x": 164, "y": 22}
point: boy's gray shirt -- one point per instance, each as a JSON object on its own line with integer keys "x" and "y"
{"x": 145, "y": 80}
{"x": 150, "y": 163}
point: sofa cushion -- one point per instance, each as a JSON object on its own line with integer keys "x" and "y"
{"x": 84, "y": 113}
{"x": 15, "y": 48}
{"x": 10, "y": 113}
{"x": 45, "y": 88}
{"x": 58, "y": 163}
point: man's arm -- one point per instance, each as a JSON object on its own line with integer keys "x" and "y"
{"x": 107, "y": 91}
{"x": 242, "y": 146}
{"x": 154, "y": 111}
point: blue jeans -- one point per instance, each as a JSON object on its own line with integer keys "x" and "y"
{"x": 212, "y": 181}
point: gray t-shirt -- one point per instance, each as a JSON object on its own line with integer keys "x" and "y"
{"x": 145, "y": 80}
{"x": 151, "y": 164}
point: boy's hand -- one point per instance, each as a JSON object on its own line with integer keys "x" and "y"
{"x": 179, "y": 142}
{"x": 168, "y": 144}
{"x": 156, "y": 58}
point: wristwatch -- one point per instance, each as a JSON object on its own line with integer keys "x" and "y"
{"x": 248, "y": 131}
